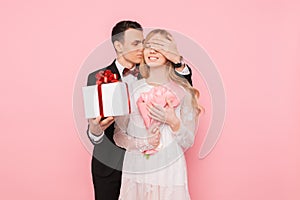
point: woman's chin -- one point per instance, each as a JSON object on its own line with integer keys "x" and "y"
{"x": 153, "y": 64}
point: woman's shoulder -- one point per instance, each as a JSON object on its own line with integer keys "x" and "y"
{"x": 177, "y": 89}
{"x": 138, "y": 84}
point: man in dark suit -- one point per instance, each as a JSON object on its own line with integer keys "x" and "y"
{"x": 127, "y": 38}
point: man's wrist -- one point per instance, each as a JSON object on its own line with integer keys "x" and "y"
{"x": 178, "y": 62}
{"x": 96, "y": 139}
{"x": 178, "y": 59}
{"x": 97, "y": 134}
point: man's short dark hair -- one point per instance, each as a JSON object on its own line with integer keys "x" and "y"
{"x": 118, "y": 30}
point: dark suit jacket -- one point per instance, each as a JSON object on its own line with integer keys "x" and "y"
{"x": 110, "y": 155}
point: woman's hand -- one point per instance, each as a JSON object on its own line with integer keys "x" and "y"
{"x": 165, "y": 115}
{"x": 154, "y": 138}
{"x": 166, "y": 47}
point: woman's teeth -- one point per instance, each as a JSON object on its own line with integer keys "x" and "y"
{"x": 152, "y": 58}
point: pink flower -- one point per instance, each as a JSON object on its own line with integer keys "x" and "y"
{"x": 157, "y": 95}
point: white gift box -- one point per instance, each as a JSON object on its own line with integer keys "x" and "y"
{"x": 114, "y": 98}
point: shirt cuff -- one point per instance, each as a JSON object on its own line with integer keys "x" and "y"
{"x": 94, "y": 138}
{"x": 185, "y": 71}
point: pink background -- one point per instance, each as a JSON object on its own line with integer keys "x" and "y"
{"x": 254, "y": 44}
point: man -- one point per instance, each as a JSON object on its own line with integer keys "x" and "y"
{"x": 127, "y": 38}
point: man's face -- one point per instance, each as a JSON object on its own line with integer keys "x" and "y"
{"x": 133, "y": 46}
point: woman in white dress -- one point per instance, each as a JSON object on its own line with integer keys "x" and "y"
{"x": 154, "y": 165}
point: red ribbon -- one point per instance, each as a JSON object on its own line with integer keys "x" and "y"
{"x": 104, "y": 77}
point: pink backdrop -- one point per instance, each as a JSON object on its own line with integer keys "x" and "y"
{"x": 253, "y": 43}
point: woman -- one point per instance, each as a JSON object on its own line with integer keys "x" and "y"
{"x": 156, "y": 135}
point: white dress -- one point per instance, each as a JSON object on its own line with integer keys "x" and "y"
{"x": 162, "y": 176}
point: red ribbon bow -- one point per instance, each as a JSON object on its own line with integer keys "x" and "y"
{"x": 106, "y": 76}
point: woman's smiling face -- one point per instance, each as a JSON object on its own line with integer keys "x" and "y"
{"x": 152, "y": 57}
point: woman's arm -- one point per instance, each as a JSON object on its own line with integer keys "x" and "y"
{"x": 185, "y": 135}
{"x": 183, "y": 126}
{"x": 130, "y": 143}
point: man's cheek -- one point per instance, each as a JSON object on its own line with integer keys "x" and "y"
{"x": 129, "y": 51}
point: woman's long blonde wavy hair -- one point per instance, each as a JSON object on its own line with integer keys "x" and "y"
{"x": 144, "y": 70}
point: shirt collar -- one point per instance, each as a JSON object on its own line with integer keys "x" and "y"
{"x": 120, "y": 68}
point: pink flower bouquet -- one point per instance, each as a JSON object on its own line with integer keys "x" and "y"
{"x": 157, "y": 95}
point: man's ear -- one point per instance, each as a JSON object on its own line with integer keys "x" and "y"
{"x": 118, "y": 46}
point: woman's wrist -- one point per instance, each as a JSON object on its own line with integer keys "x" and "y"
{"x": 175, "y": 124}
{"x": 143, "y": 145}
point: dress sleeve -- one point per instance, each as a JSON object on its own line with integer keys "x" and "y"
{"x": 186, "y": 134}
{"x": 126, "y": 141}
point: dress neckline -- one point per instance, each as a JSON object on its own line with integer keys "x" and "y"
{"x": 156, "y": 84}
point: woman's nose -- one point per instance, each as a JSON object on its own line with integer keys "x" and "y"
{"x": 152, "y": 50}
